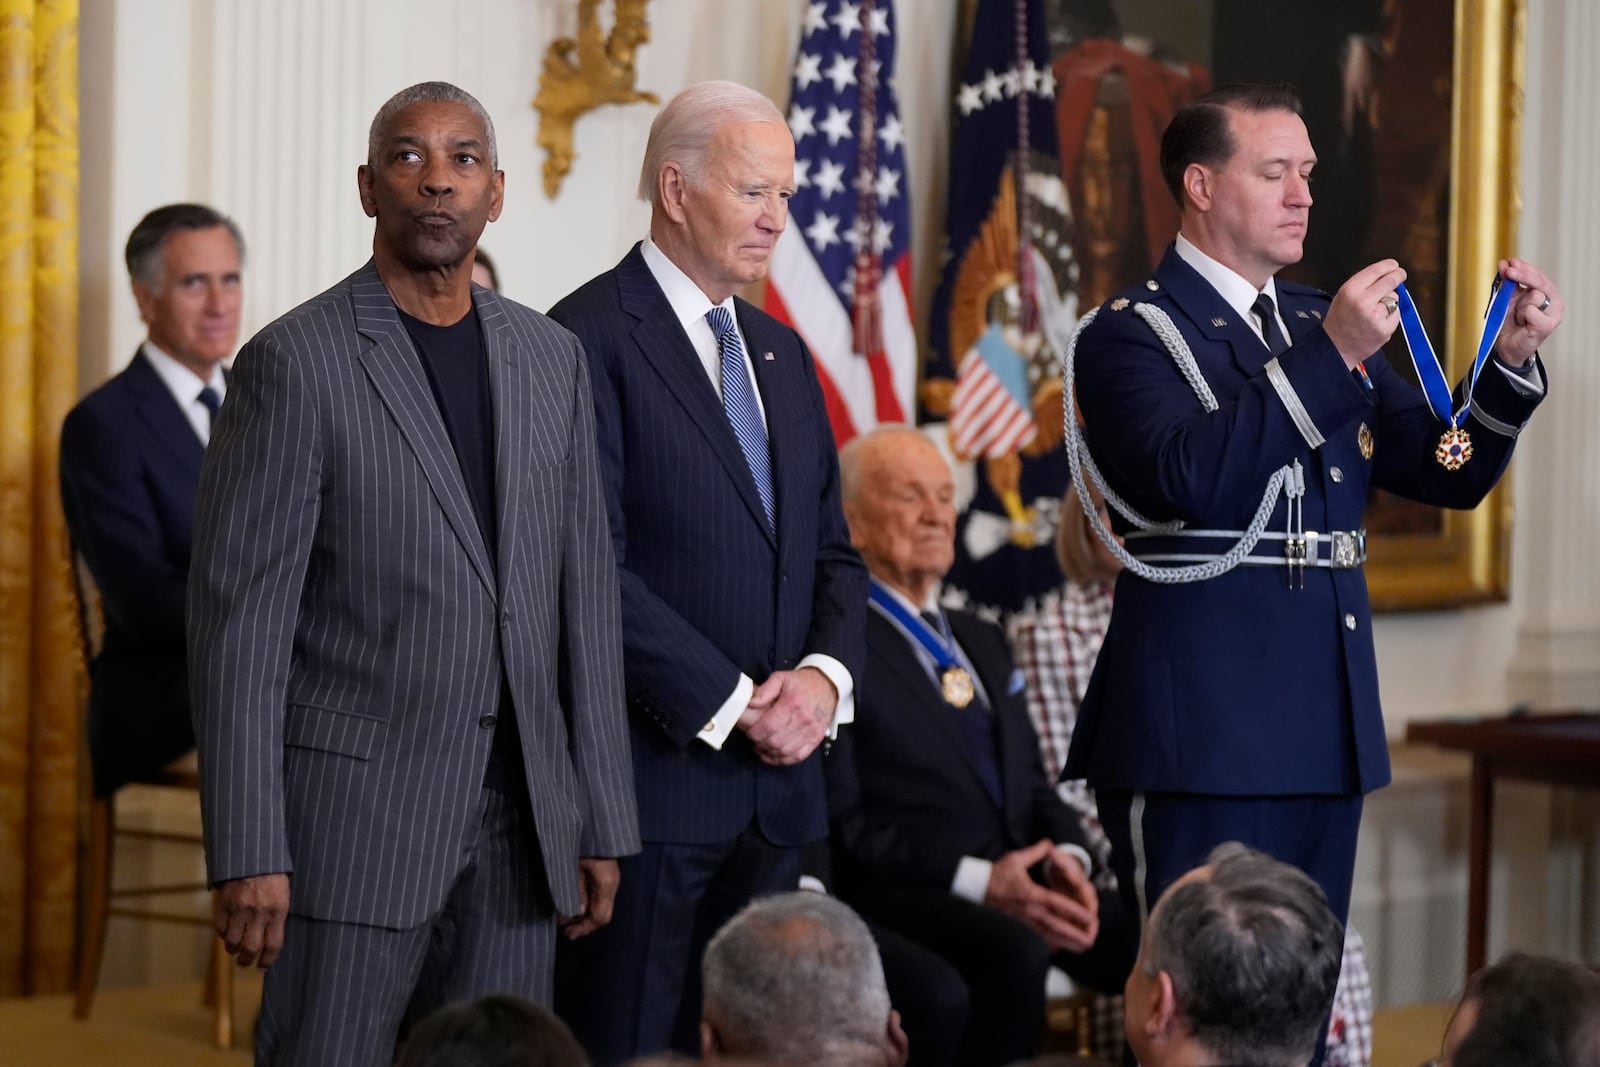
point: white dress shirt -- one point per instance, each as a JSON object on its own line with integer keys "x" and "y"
{"x": 185, "y": 387}
{"x": 690, "y": 304}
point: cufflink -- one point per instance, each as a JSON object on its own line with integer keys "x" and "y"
{"x": 709, "y": 728}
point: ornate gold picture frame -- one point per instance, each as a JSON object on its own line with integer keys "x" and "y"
{"x": 1465, "y": 557}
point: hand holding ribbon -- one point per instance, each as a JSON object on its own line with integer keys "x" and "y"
{"x": 1536, "y": 311}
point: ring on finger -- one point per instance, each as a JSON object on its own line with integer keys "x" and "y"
{"x": 1389, "y": 303}
{"x": 1545, "y": 304}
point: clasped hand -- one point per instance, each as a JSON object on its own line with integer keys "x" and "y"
{"x": 788, "y": 715}
{"x": 1065, "y": 912}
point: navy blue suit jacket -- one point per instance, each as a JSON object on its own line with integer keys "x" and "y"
{"x": 1240, "y": 685}
{"x": 130, "y": 462}
{"x": 908, "y": 799}
{"x": 708, "y": 591}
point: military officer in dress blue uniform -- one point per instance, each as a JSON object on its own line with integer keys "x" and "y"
{"x": 1244, "y": 706}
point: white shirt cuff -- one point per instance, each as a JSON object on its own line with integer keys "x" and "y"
{"x": 845, "y": 710}
{"x": 1527, "y": 380}
{"x": 715, "y": 732}
{"x": 972, "y": 879}
{"x": 1079, "y": 854}
{"x": 812, "y": 884}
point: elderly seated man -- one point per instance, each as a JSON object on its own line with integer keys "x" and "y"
{"x": 1532, "y": 1011}
{"x": 1238, "y": 965}
{"x": 945, "y": 827}
{"x": 794, "y": 980}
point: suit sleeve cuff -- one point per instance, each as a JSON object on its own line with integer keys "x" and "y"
{"x": 972, "y": 879}
{"x": 715, "y": 732}
{"x": 1526, "y": 379}
{"x": 845, "y": 710}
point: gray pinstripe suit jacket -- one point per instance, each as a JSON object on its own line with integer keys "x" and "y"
{"x": 348, "y": 631}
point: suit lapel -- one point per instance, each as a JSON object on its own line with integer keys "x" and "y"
{"x": 927, "y": 703}
{"x": 158, "y": 410}
{"x": 663, "y": 344}
{"x": 1302, "y": 314}
{"x": 509, "y": 401}
{"x": 1212, "y": 315}
{"x": 395, "y": 369}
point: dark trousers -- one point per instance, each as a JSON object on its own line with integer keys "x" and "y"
{"x": 930, "y": 995}
{"x": 345, "y": 994}
{"x": 1001, "y": 960}
{"x": 632, "y": 988}
{"x": 1158, "y": 837}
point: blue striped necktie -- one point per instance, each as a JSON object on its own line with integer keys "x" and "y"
{"x": 213, "y": 403}
{"x": 739, "y": 401}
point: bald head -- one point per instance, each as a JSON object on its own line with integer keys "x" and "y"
{"x": 899, "y": 498}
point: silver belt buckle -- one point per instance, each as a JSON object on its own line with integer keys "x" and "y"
{"x": 1349, "y": 549}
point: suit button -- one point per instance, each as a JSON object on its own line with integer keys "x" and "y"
{"x": 1349, "y": 622}
{"x": 505, "y": 617}
{"x": 1336, "y": 474}
{"x": 487, "y": 722}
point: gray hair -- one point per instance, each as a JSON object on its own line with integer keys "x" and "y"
{"x": 1253, "y": 953}
{"x": 682, "y": 131}
{"x": 428, "y": 93}
{"x": 148, "y": 241}
{"x": 810, "y": 954}
{"x": 851, "y": 463}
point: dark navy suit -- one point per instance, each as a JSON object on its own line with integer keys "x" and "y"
{"x": 709, "y": 591}
{"x": 910, "y": 800}
{"x": 1239, "y": 707}
{"x": 130, "y": 461}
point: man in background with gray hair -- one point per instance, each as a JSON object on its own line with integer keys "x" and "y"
{"x": 743, "y": 602}
{"x": 404, "y": 627}
{"x": 794, "y": 980}
{"x": 1238, "y": 966}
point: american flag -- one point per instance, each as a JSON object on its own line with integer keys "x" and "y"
{"x": 842, "y": 276}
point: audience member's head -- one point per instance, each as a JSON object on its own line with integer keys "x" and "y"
{"x": 186, "y": 264}
{"x": 1531, "y": 1011}
{"x": 1238, "y": 965}
{"x": 496, "y": 1031}
{"x": 794, "y": 980}
{"x": 483, "y": 271}
{"x": 1084, "y": 558}
{"x": 899, "y": 499}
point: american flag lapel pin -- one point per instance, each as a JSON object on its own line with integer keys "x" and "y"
{"x": 768, "y": 356}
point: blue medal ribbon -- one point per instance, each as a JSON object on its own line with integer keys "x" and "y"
{"x": 1426, "y": 361}
{"x": 940, "y": 647}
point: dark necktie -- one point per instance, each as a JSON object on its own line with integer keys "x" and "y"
{"x": 1276, "y": 342}
{"x": 739, "y": 401}
{"x": 212, "y": 401}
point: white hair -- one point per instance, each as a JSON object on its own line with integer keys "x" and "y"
{"x": 682, "y": 132}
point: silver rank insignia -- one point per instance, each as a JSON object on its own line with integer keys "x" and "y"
{"x": 1302, "y": 314}
{"x": 1219, "y": 322}
{"x": 1364, "y": 441}
{"x": 1119, "y": 303}
{"x": 1317, "y": 315}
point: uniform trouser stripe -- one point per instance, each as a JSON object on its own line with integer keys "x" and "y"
{"x": 1140, "y": 866}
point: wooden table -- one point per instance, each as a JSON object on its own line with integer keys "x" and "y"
{"x": 1557, "y": 749}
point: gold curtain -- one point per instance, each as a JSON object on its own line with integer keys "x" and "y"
{"x": 40, "y": 669}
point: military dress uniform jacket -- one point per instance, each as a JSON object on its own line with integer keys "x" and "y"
{"x": 1241, "y": 685}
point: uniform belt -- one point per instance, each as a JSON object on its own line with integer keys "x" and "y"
{"x": 1340, "y": 550}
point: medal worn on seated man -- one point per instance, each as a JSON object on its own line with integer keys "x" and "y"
{"x": 945, "y": 827}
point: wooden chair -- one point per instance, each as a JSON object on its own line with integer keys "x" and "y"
{"x": 1068, "y": 1011}
{"x": 97, "y": 837}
